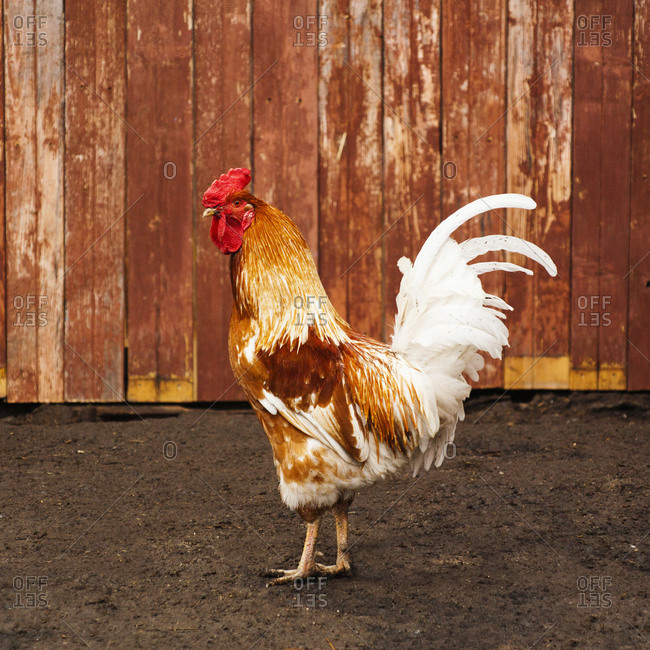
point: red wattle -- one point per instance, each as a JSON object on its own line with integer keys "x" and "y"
{"x": 226, "y": 234}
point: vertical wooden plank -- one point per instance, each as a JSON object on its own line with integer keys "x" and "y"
{"x": 473, "y": 126}
{"x": 585, "y": 253}
{"x": 411, "y": 134}
{"x": 3, "y": 296}
{"x": 600, "y": 244}
{"x": 49, "y": 153}
{"x": 351, "y": 195}
{"x": 34, "y": 199}
{"x": 285, "y": 71}
{"x": 160, "y": 201}
{"x": 223, "y": 141}
{"x": 94, "y": 200}
{"x": 539, "y": 165}
{"x": 638, "y": 352}
{"x": 365, "y": 179}
{"x": 334, "y": 163}
{"x": 21, "y": 202}
{"x": 615, "y": 199}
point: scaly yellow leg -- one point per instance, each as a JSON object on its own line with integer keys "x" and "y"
{"x": 306, "y": 565}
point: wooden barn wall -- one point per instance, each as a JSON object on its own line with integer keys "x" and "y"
{"x": 364, "y": 121}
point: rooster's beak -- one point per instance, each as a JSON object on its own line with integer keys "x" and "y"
{"x": 209, "y": 212}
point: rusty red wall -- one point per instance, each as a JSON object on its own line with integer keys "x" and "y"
{"x": 366, "y": 123}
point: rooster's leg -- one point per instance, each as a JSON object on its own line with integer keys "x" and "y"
{"x": 342, "y": 566}
{"x": 306, "y": 565}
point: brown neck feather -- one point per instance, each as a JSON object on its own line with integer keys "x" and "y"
{"x": 275, "y": 282}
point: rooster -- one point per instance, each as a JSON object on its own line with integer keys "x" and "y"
{"x": 340, "y": 409}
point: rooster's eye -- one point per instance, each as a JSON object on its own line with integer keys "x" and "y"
{"x": 236, "y": 202}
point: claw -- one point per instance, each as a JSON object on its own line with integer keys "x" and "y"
{"x": 273, "y": 573}
{"x": 285, "y": 576}
{"x": 332, "y": 570}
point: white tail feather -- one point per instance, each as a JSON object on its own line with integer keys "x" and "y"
{"x": 445, "y": 318}
{"x": 472, "y": 248}
{"x": 485, "y": 267}
{"x": 452, "y": 223}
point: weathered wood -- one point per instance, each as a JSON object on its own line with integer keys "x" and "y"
{"x": 412, "y": 166}
{"x": 342, "y": 133}
{"x": 3, "y": 307}
{"x": 34, "y": 199}
{"x": 473, "y": 125}
{"x": 615, "y": 195}
{"x": 21, "y": 206}
{"x": 588, "y": 90}
{"x": 351, "y": 114}
{"x": 159, "y": 201}
{"x": 364, "y": 148}
{"x": 94, "y": 201}
{"x": 222, "y": 141}
{"x": 334, "y": 163}
{"x": 638, "y": 354}
{"x": 539, "y": 165}
{"x": 600, "y": 243}
{"x": 285, "y": 127}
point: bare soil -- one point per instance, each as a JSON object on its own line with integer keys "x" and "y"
{"x": 153, "y": 533}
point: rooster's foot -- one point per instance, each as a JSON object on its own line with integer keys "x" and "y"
{"x": 283, "y": 576}
{"x": 332, "y": 570}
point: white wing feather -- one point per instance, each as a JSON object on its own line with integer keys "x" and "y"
{"x": 320, "y": 422}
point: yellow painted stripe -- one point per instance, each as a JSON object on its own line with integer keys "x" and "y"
{"x": 532, "y": 372}
{"x": 584, "y": 379}
{"x": 152, "y": 389}
{"x": 611, "y": 377}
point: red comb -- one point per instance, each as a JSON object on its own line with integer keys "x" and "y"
{"x": 226, "y": 184}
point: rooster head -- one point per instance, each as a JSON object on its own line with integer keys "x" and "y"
{"x": 228, "y": 205}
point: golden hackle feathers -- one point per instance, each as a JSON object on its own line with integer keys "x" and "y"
{"x": 274, "y": 280}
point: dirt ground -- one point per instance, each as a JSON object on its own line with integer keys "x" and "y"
{"x": 152, "y": 533}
